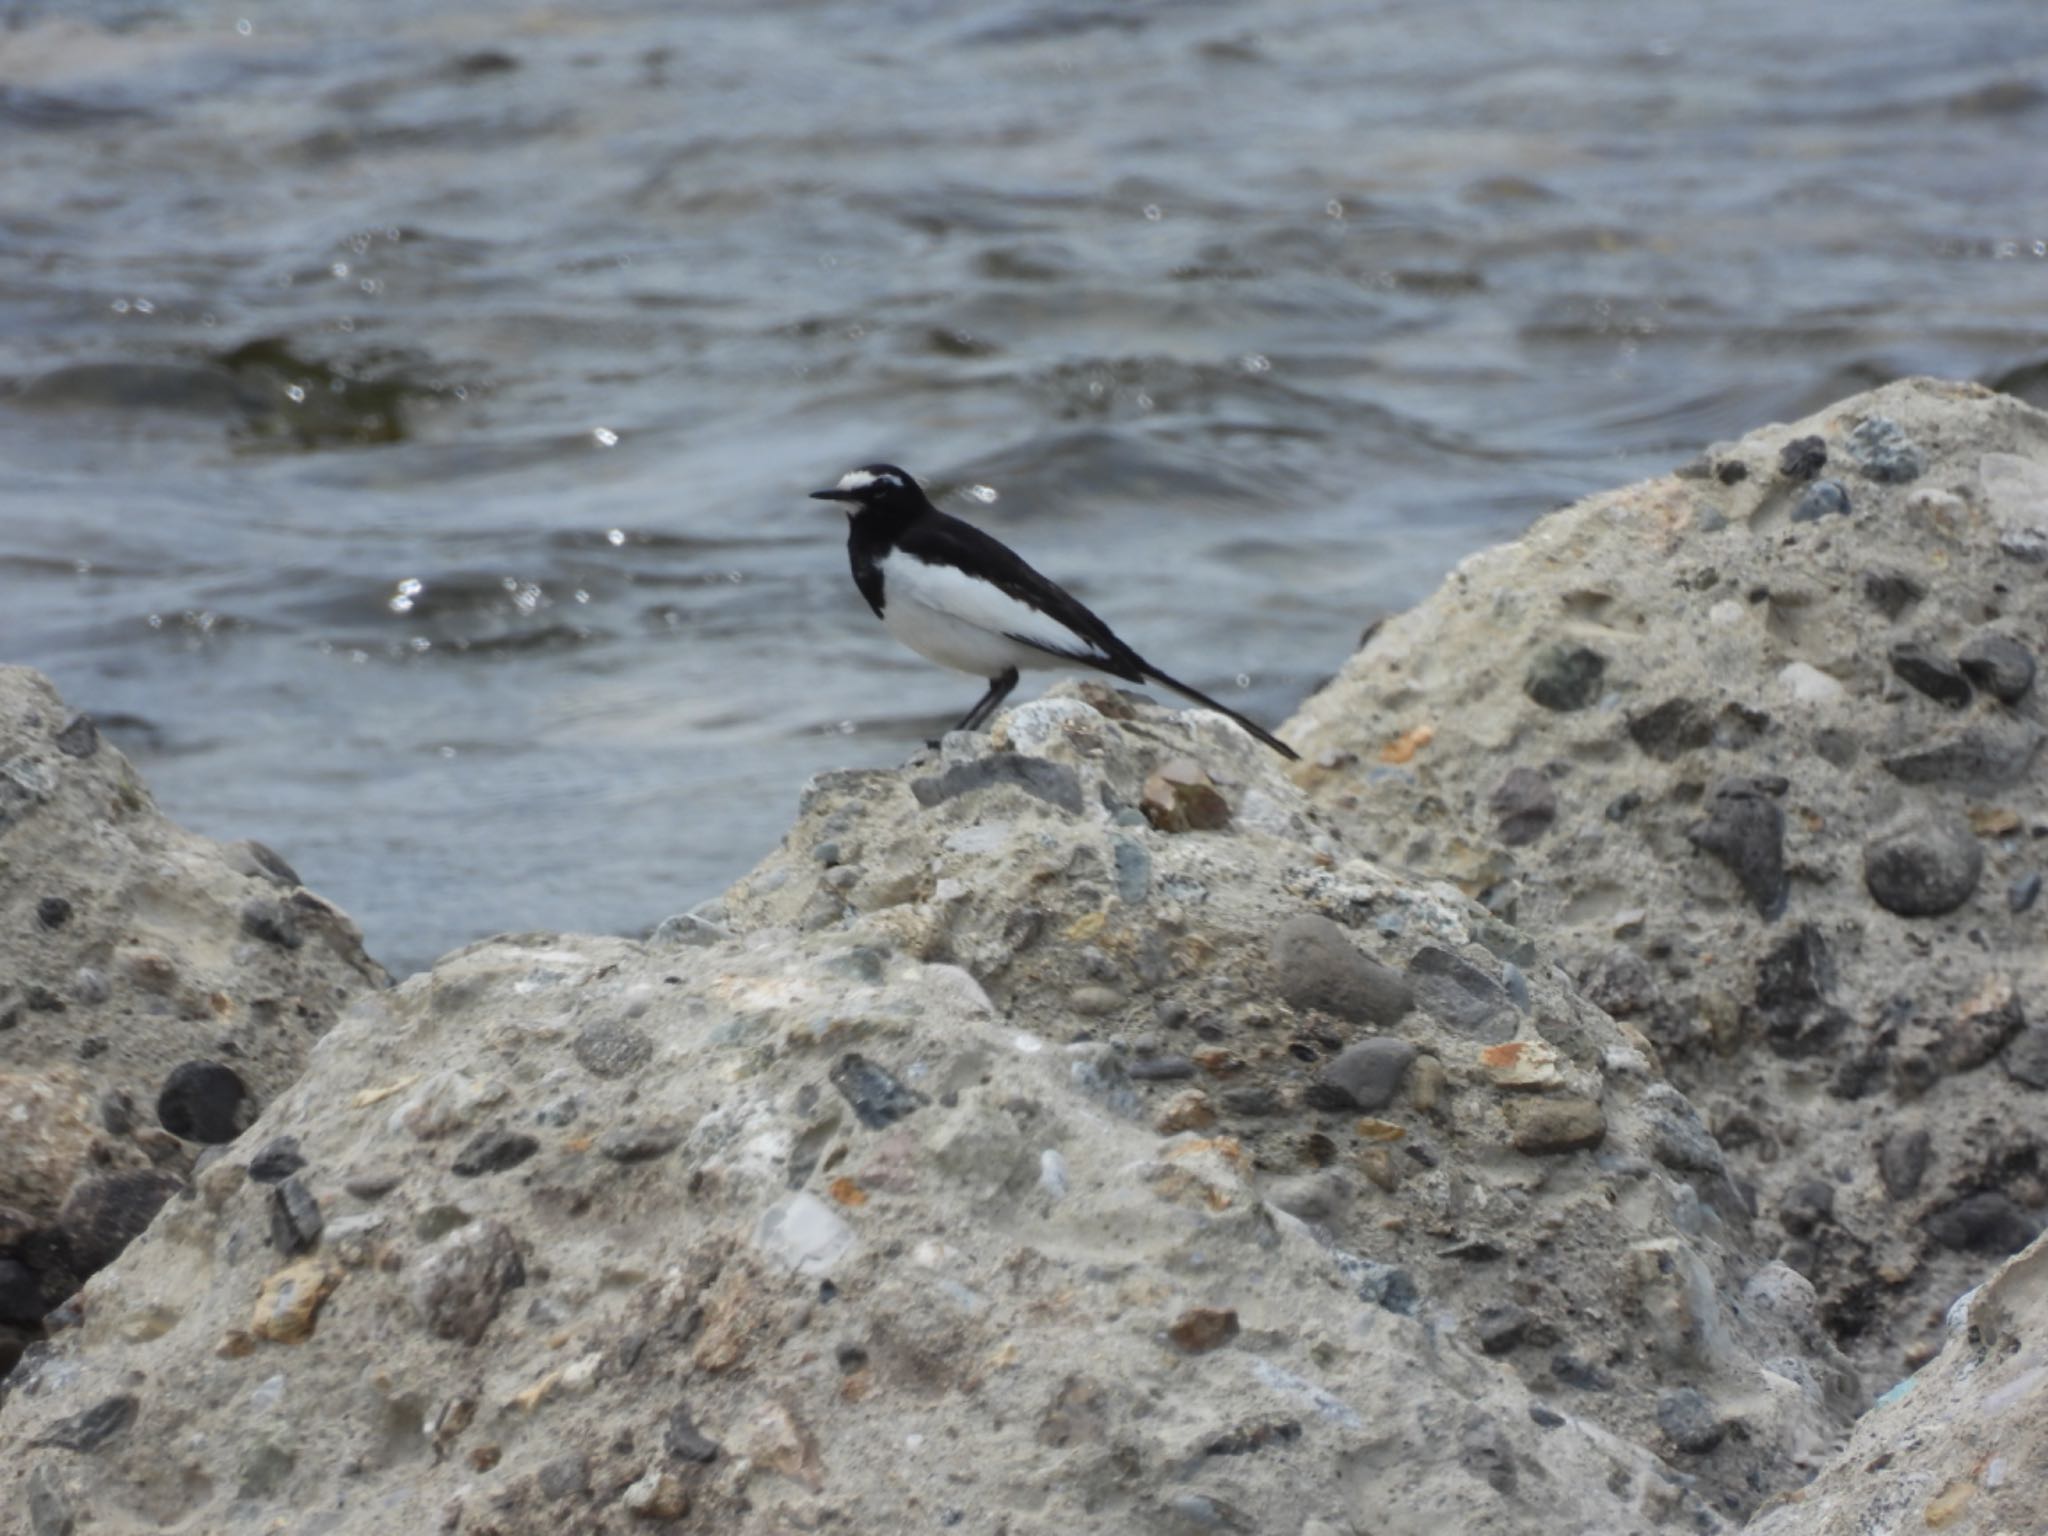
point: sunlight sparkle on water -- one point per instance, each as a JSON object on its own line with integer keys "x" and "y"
{"x": 615, "y": 537}
{"x": 606, "y": 437}
{"x": 984, "y": 493}
{"x": 404, "y": 593}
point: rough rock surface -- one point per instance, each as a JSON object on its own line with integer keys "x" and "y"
{"x": 865, "y": 1211}
{"x": 1797, "y": 834}
{"x": 156, "y": 989}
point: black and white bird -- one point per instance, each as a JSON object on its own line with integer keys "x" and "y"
{"x": 957, "y": 596}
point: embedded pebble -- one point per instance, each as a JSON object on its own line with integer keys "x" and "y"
{"x": 494, "y": 1151}
{"x": 639, "y": 1143}
{"x": 1565, "y": 677}
{"x": 1453, "y": 989}
{"x": 878, "y": 1099}
{"x": 1998, "y": 664}
{"x": 2026, "y": 1057}
{"x": 459, "y": 1283}
{"x": 1523, "y": 805}
{"x": 1902, "y": 1159}
{"x": 1689, "y": 1420}
{"x": 1986, "y": 1222}
{"x": 277, "y": 1158}
{"x": 1745, "y": 830}
{"x": 105, "y": 1213}
{"x": 612, "y": 1048}
{"x": 1824, "y": 498}
{"x": 1317, "y": 966}
{"x": 1041, "y": 778}
{"x": 1802, "y": 458}
{"x": 1884, "y": 453}
{"x": 1932, "y": 673}
{"x": 1923, "y": 864}
{"x": 1543, "y": 1127}
{"x": 1364, "y": 1075}
{"x": 204, "y": 1101}
{"x": 295, "y": 1219}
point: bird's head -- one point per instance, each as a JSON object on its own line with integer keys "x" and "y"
{"x": 875, "y": 488}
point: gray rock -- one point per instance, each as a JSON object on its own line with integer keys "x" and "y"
{"x": 1484, "y": 1452}
{"x": 295, "y": 1219}
{"x": 86, "y": 1432}
{"x": 1998, "y": 664}
{"x": 565, "y": 1477}
{"x": 463, "y": 1279}
{"x": 639, "y": 1143}
{"x": 1745, "y": 830}
{"x": 1364, "y": 1075}
{"x": 1984, "y": 756}
{"x": 1549, "y": 1127}
{"x": 1884, "y": 453}
{"x": 1524, "y": 805}
{"x": 681, "y": 1440}
{"x": 1891, "y": 593}
{"x": 878, "y": 1099}
{"x": 104, "y": 1214}
{"x": 612, "y": 1048}
{"x": 1986, "y": 1222}
{"x": 1689, "y": 1420}
{"x": 494, "y": 1150}
{"x": 1565, "y": 677}
{"x": 1133, "y": 871}
{"x": 1678, "y": 1137}
{"x": 1671, "y": 729}
{"x": 1619, "y": 982}
{"x": 1923, "y": 864}
{"x": 2029, "y": 546}
{"x": 1054, "y": 783}
{"x": 1902, "y": 1159}
{"x": 1922, "y": 667}
{"x": 1794, "y": 1006}
{"x": 272, "y": 922}
{"x": 2023, "y": 892}
{"x": 2026, "y": 1057}
{"x": 1317, "y": 967}
{"x": 276, "y": 1159}
{"x": 204, "y": 1101}
{"x": 1159, "y": 1069}
{"x": 1253, "y": 1100}
{"x": 1802, "y": 458}
{"x": 1501, "y": 1327}
{"x": 1823, "y": 498}
{"x": 1461, "y": 995}
{"x": 1805, "y": 1206}
{"x": 50, "y": 1511}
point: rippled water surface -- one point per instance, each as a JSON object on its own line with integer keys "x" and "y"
{"x": 406, "y": 409}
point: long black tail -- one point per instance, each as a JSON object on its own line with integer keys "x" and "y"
{"x": 1155, "y": 675}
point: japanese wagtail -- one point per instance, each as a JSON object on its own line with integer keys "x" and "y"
{"x": 958, "y": 597}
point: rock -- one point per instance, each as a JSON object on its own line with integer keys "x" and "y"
{"x": 657, "y": 1495}
{"x": 2021, "y": 894}
{"x": 295, "y": 1219}
{"x": 1823, "y": 498}
{"x": 1565, "y": 677}
{"x": 1672, "y": 729}
{"x": 1745, "y": 830}
{"x": 1891, "y": 593}
{"x": 1986, "y": 1222}
{"x": 1678, "y": 1137}
{"x": 1054, "y": 783}
{"x": 565, "y": 1477}
{"x": 50, "y": 1511}
{"x": 1463, "y": 996}
{"x": 86, "y": 1432}
{"x": 1201, "y": 1329}
{"x": 1802, "y": 458}
{"x": 2026, "y": 1058}
{"x": 104, "y": 1214}
{"x": 1884, "y": 453}
{"x": 1524, "y": 805}
{"x": 272, "y": 922}
{"x": 1317, "y": 967}
{"x": 1982, "y": 757}
{"x": 1159, "y": 1069}
{"x": 1364, "y": 1075}
{"x": 1806, "y": 1205}
{"x": 640, "y": 1143}
{"x": 1620, "y": 983}
{"x": 288, "y": 1302}
{"x": 461, "y": 1281}
{"x": 612, "y": 1048}
{"x": 1933, "y": 674}
{"x": 878, "y": 1099}
{"x": 1902, "y": 1160}
{"x": 1500, "y": 1328}
{"x": 1998, "y": 664}
{"x": 1923, "y": 864}
{"x": 1180, "y": 797}
{"x": 682, "y": 1441}
{"x": 276, "y": 1159}
{"x": 494, "y": 1151}
{"x": 1548, "y": 1126}
{"x": 1689, "y": 1421}
{"x": 1522, "y": 1066}
{"x": 1981, "y": 1027}
{"x": 1794, "y": 1005}
{"x": 204, "y": 1101}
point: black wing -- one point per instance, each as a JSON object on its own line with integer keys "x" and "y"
{"x": 938, "y": 538}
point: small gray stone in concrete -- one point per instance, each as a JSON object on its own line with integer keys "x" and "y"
{"x": 1902, "y": 1161}
{"x": 1745, "y": 830}
{"x": 1823, "y": 498}
{"x": 272, "y": 922}
{"x": 1986, "y": 1222}
{"x": 1678, "y": 1137}
{"x": 565, "y": 1477}
{"x": 1461, "y": 995}
{"x": 295, "y": 1219}
{"x": 103, "y": 1214}
{"x": 79, "y": 738}
{"x": 1923, "y": 864}
{"x": 1671, "y": 729}
{"x": 1802, "y": 458}
{"x": 1998, "y": 664}
{"x": 1884, "y": 453}
{"x": 2029, "y": 546}
{"x": 459, "y": 1285}
{"x": 1054, "y": 783}
{"x": 1808, "y": 1204}
{"x": 1501, "y": 1327}
{"x": 1524, "y": 805}
{"x": 2026, "y": 1057}
{"x": 1548, "y": 1127}
{"x": 878, "y": 1099}
{"x": 1619, "y": 982}
{"x": 1565, "y": 677}
{"x": 612, "y": 1048}
{"x": 639, "y": 1143}
{"x": 1316, "y": 966}
{"x": 1689, "y": 1420}
{"x": 278, "y": 1158}
{"x": 1484, "y": 1452}
{"x": 49, "y": 1504}
{"x": 1926, "y": 669}
{"x": 1133, "y": 871}
{"x": 1159, "y": 1069}
{"x": 87, "y": 1431}
{"x": 1364, "y": 1075}
{"x": 2022, "y": 893}
{"x": 1891, "y": 593}
{"x": 204, "y": 1101}
{"x": 494, "y": 1150}
{"x": 683, "y": 1441}
{"x": 1983, "y": 756}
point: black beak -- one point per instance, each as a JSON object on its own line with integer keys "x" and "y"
{"x": 835, "y": 496}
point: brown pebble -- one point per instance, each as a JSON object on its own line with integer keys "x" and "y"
{"x": 1201, "y": 1329}
{"x": 485, "y": 1457}
{"x": 1180, "y": 797}
{"x": 1218, "y": 1062}
{"x": 1189, "y": 1110}
{"x": 1425, "y": 1082}
{"x": 1376, "y": 1164}
{"x": 1541, "y": 1127}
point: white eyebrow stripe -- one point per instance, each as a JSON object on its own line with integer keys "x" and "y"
{"x": 856, "y": 480}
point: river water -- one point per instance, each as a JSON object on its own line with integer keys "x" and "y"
{"x": 406, "y": 409}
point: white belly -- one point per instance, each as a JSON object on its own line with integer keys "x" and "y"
{"x": 948, "y": 617}
{"x": 955, "y": 643}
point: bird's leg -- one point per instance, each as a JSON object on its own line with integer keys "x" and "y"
{"x": 999, "y": 688}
